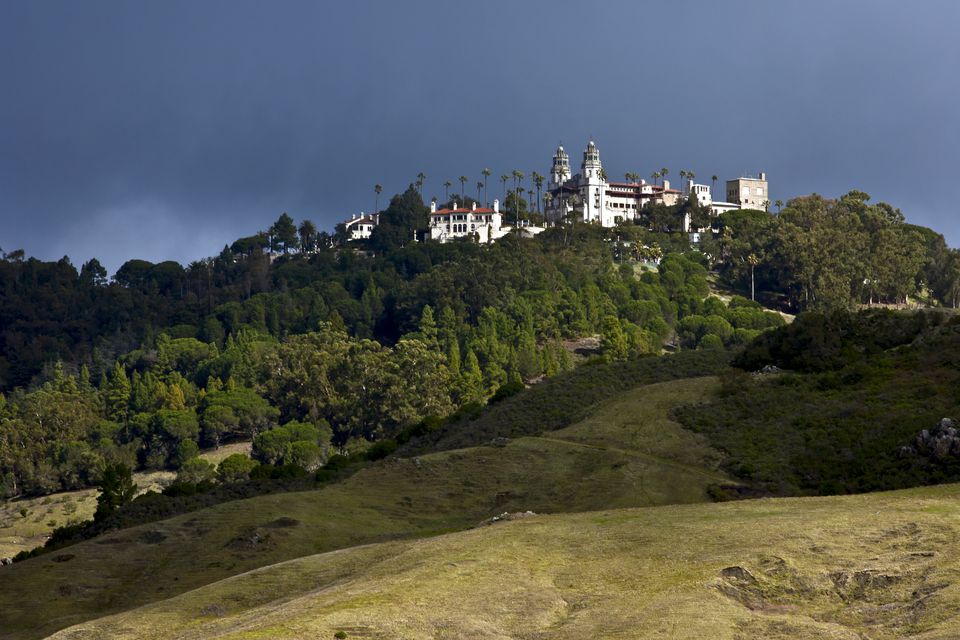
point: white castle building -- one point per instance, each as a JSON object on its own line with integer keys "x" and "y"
{"x": 593, "y": 198}
{"x": 481, "y": 223}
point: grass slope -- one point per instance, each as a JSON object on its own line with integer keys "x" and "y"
{"x": 872, "y": 566}
{"x": 629, "y": 453}
{"x": 562, "y": 400}
{"x": 841, "y": 430}
{"x": 23, "y": 531}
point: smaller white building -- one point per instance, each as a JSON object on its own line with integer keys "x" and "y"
{"x": 483, "y": 224}
{"x": 359, "y": 227}
{"x": 703, "y": 192}
{"x": 717, "y": 208}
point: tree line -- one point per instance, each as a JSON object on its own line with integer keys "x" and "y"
{"x": 311, "y": 348}
{"x": 344, "y": 350}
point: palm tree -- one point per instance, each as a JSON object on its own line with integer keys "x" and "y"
{"x": 446, "y": 190}
{"x": 376, "y": 206}
{"x": 663, "y": 174}
{"x": 503, "y": 179}
{"x": 683, "y": 174}
{"x": 517, "y": 182}
{"x": 538, "y": 180}
{"x": 753, "y": 260}
{"x": 463, "y": 181}
{"x": 779, "y": 204}
{"x": 547, "y": 199}
{"x": 479, "y": 187}
{"x": 421, "y": 177}
{"x": 486, "y": 174}
{"x": 655, "y": 176}
{"x": 713, "y": 180}
{"x": 575, "y": 201}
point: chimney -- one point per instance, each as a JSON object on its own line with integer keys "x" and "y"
{"x": 433, "y": 206}
{"x": 474, "y": 205}
{"x": 496, "y": 205}
{"x": 666, "y": 185}
{"x": 763, "y": 175}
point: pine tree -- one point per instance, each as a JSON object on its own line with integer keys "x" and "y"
{"x": 84, "y": 380}
{"x": 283, "y": 234}
{"x": 427, "y": 332}
{"x": 471, "y": 379}
{"x": 116, "y": 393}
{"x": 174, "y": 398}
{"x": 549, "y": 358}
{"x": 453, "y": 356}
{"x": 613, "y": 342}
{"x": 116, "y": 489}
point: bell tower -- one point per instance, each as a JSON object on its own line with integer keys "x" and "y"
{"x": 591, "y": 162}
{"x": 560, "y": 172}
{"x": 592, "y": 185}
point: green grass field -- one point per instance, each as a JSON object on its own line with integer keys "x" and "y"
{"x": 626, "y": 454}
{"x": 874, "y": 566}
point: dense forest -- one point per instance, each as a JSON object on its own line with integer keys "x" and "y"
{"x": 308, "y": 345}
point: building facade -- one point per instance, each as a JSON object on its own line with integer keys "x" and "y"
{"x": 485, "y": 225}
{"x": 359, "y": 227}
{"x": 749, "y": 192}
{"x": 592, "y": 197}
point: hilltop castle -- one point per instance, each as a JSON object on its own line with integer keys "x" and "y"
{"x": 589, "y": 196}
{"x": 596, "y": 199}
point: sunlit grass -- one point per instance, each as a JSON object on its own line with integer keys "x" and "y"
{"x": 570, "y": 470}
{"x": 878, "y": 566}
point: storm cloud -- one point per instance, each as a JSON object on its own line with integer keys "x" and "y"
{"x": 165, "y": 130}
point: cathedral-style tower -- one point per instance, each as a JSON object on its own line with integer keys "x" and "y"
{"x": 592, "y": 186}
{"x": 591, "y": 162}
{"x": 560, "y": 172}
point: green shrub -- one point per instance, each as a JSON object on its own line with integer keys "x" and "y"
{"x": 381, "y": 449}
{"x": 506, "y": 390}
{"x": 337, "y": 462}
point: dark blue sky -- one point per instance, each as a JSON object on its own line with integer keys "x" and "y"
{"x": 164, "y": 130}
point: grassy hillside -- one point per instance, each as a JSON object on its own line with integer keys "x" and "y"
{"x": 846, "y": 568}
{"x": 847, "y": 417}
{"x": 27, "y": 523}
{"x": 568, "y": 398}
{"x": 629, "y": 453}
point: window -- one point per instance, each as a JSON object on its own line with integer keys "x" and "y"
{"x": 759, "y": 191}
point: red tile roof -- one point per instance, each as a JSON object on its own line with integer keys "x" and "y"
{"x": 364, "y": 220}
{"x": 464, "y": 210}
